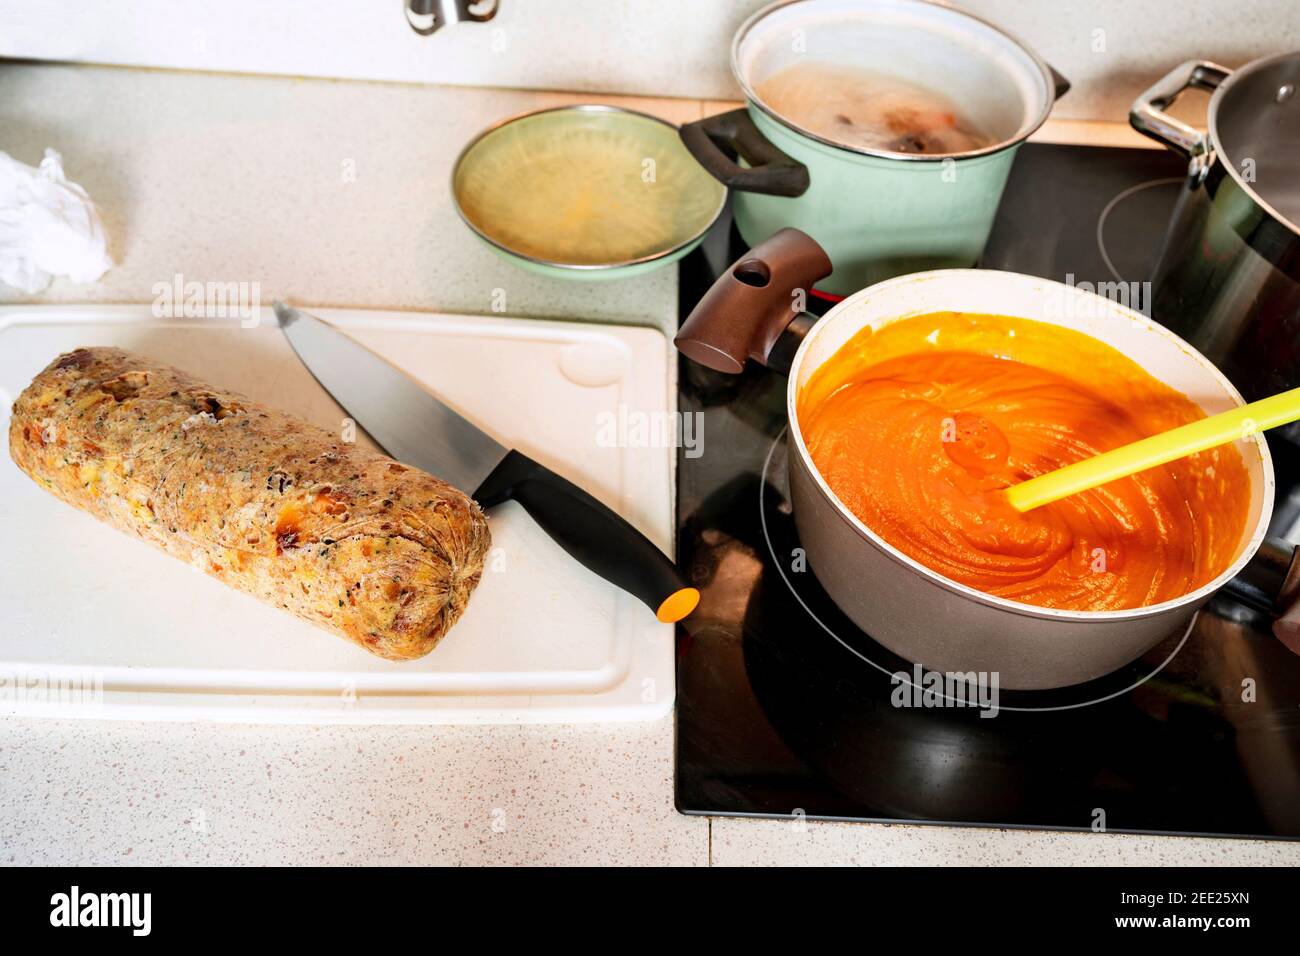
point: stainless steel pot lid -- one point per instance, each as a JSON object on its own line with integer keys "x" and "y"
{"x": 1254, "y": 124}
{"x": 998, "y": 84}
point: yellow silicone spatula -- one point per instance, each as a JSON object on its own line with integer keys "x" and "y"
{"x": 1140, "y": 455}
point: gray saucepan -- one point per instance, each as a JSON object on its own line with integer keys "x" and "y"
{"x": 910, "y": 609}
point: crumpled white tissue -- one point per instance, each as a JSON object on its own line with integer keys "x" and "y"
{"x": 48, "y": 226}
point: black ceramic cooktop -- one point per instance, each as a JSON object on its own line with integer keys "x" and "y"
{"x": 784, "y": 707}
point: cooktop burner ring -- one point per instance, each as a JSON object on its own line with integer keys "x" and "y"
{"x": 764, "y": 483}
{"x": 1110, "y": 206}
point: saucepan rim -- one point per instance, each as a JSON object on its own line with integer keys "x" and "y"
{"x": 869, "y": 536}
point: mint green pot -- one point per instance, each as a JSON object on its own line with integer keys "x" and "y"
{"x": 879, "y": 218}
{"x": 877, "y": 213}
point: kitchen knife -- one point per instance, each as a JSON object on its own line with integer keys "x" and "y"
{"x": 414, "y": 427}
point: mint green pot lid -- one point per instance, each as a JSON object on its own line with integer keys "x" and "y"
{"x": 588, "y": 274}
{"x": 694, "y": 202}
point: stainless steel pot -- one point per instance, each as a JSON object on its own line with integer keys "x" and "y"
{"x": 910, "y": 609}
{"x": 1228, "y": 276}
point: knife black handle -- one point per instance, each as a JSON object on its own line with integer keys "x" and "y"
{"x": 592, "y": 533}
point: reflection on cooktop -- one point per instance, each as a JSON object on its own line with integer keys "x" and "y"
{"x": 786, "y": 708}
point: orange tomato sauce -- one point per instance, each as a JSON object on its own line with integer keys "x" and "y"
{"x": 917, "y": 427}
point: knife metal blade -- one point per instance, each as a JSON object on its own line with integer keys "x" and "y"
{"x": 409, "y": 423}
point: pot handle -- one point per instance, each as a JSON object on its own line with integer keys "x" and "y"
{"x": 1060, "y": 85}
{"x": 770, "y": 171}
{"x": 1148, "y": 114}
{"x": 1270, "y": 582}
{"x": 755, "y": 310}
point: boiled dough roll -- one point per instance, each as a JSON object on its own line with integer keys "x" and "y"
{"x": 378, "y": 552}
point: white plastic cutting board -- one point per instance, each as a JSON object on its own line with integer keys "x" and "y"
{"x": 96, "y": 624}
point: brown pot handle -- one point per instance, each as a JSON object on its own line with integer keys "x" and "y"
{"x": 1287, "y": 606}
{"x": 754, "y": 303}
{"x": 1270, "y": 582}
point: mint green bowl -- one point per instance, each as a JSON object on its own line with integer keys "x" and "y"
{"x": 585, "y": 192}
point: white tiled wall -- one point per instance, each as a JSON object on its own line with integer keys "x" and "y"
{"x": 1110, "y": 49}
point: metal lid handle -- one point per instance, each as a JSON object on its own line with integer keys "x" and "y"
{"x": 428, "y": 16}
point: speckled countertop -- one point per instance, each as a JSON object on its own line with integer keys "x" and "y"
{"x": 334, "y": 194}
{"x": 329, "y": 193}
